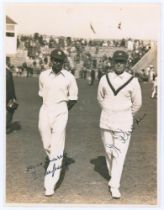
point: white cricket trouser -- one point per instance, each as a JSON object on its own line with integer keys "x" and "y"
{"x": 52, "y": 127}
{"x": 116, "y": 144}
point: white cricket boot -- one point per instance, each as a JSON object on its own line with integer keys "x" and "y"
{"x": 115, "y": 193}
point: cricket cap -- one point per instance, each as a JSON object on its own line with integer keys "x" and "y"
{"x": 120, "y": 55}
{"x": 58, "y": 54}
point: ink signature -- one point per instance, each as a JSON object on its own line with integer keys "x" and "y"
{"x": 53, "y": 170}
{"x": 57, "y": 158}
{"x": 32, "y": 168}
{"x": 122, "y": 135}
{"x": 113, "y": 149}
{"x": 54, "y": 165}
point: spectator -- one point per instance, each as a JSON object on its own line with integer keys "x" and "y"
{"x": 154, "y": 92}
{"x": 11, "y": 101}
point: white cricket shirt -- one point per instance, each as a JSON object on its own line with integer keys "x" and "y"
{"x": 118, "y": 110}
{"x": 57, "y": 88}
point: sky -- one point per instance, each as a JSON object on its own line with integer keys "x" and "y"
{"x": 75, "y": 19}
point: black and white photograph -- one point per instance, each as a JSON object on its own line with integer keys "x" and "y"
{"x": 82, "y": 104}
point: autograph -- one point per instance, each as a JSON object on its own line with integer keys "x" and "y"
{"x": 122, "y": 135}
{"x": 32, "y": 168}
{"x": 57, "y": 158}
{"x": 114, "y": 150}
{"x": 54, "y": 165}
{"x": 53, "y": 170}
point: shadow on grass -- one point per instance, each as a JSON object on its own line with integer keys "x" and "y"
{"x": 100, "y": 166}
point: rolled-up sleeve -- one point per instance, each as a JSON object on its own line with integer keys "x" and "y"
{"x": 136, "y": 97}
{"x": 73, "y": 89}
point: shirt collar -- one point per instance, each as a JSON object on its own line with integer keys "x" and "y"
{"x": 61, "y": 72}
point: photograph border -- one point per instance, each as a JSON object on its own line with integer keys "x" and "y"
{"x": 160, "y": 123}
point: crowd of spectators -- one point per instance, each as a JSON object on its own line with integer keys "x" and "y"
{"x": 83, "y": 55}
